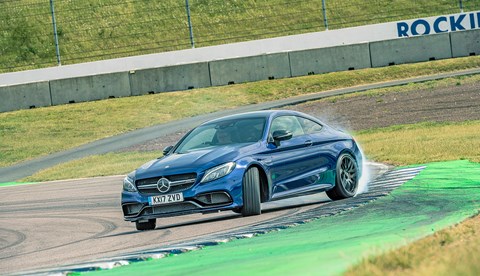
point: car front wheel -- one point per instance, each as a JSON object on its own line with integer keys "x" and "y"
{"x": 251, "y": 193}
{"x": 346, "y": 180}
{"x": 143, "y": 226}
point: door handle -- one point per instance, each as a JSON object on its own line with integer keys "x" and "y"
{"x": 308, "y": 143}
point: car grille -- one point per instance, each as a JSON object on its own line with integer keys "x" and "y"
{"x": 178, "y": 183}
{"x": 166, "y": 209}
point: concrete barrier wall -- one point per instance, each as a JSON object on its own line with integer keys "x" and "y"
{"x": 171, "y": 78}
{"x": 239, "y": 70}
{"x": 465, "y": 43}
{"x": 247, "y": 69}
{"x": 410, "y": 50}
{"x": 90, "y": 88}
{"x": 332, "y": 59}
{"x": 24, "y": 96}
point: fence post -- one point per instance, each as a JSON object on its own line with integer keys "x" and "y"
{"x": 187, "y": 6}
{"x": 324, "y": 10}
{"x": 461, "y": 5}
{"x": 55, "y": 34}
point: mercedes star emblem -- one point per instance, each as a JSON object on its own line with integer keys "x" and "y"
{"x": 163, "y": 185}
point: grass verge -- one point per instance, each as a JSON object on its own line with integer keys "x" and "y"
{"x": 443, "y": 194}
{"x": 63, "y": 127}
{"x": 427, "y": 85}
{"x": 96, "y": 165}
{"x": 452, "y": 251}
{"x": 422, "y": 142}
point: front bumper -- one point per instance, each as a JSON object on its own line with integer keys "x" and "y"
{"x": 219, "y": 195}
{"x": 134, "y": 211}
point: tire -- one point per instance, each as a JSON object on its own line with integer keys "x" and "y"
{"x": 346, "y": 178}
{"x": 143, "y": 226}
{"x": 251, "y": 193}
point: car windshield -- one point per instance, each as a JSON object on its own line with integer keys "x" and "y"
{"x": 228, "y": 132}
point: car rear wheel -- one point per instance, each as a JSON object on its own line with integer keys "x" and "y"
{"x": 149, "y": 225}
{"x": 346, "y": 180}
{"x": 251, "y": 193}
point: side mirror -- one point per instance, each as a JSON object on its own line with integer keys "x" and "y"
{"x": 281, "y": 135}
{"x": 167, "y": 150}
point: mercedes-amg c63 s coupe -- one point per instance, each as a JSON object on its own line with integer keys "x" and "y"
{"x": 239, "y": 161}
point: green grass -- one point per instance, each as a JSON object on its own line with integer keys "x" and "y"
{"x": 96, "y": 165}
{"x": 453, "y": 251}
{"x": 63, "y": 127}
{"x": 101, "y": 29}
{"x": 427, "y": 85}
{"x": 422, "y": 143}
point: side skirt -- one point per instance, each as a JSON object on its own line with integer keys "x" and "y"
{"x": 302, "y": 191}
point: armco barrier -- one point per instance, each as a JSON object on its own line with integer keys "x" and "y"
{"x": 465, "y": 43}
{"x": 332, "y": 59}
{"x": 90, "y": 88}
{"x": 171, "y": 78}
{"x": 247, "y": 69}
{"x": 409, "y": 50}
{"x": 24, "y": 96}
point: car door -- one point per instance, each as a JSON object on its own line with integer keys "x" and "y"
{"x": 293, "y": 161}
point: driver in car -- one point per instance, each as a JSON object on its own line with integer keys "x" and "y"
{"x": 224, "y": 137}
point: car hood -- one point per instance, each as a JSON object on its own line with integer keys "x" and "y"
{"x": 194, "y": 161}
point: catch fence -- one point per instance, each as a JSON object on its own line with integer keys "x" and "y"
{"x": 43, "y": 33}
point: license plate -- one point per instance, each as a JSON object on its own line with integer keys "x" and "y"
{"x": 165, "y": 199}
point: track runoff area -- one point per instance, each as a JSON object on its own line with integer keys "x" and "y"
{"x": 399, "y": 206}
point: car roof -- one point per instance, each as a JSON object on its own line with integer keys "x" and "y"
{"x": 257, "y": 114}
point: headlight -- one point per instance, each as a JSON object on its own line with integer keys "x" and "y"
{"x": 128, "y": 184}
{"x": 218, "y": 172}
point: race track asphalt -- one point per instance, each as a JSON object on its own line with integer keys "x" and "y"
{"x": 59, "y": 223}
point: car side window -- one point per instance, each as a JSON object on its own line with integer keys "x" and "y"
{"x": 250, "y": 130}
{"x": 289, "y": 123}
{"x": 309, "y": 126}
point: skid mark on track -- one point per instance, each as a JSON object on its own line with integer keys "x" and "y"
{"x": 107, "y": 226}
{"x": 7, "y": 242}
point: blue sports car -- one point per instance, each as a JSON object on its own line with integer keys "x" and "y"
{"x": 239, "y": 161}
